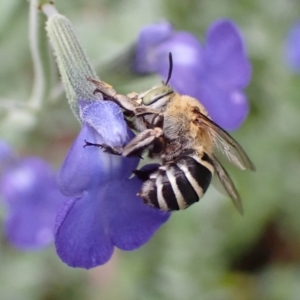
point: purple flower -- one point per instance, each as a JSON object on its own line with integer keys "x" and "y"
{"x": 215, "y": 73}
{"x": 7, "y": 155}
{"x": 31, "y": 198}
{"x": 292, "y": 51}
{"x": 103, "y": 210}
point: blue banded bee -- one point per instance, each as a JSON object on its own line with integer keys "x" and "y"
{"x": 177, "y": 130}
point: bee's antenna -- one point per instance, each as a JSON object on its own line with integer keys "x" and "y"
{"x": 170, "y": 67}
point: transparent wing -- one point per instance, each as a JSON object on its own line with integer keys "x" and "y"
{"x": 225, "y": 143}
{"x": 227, "y": 184}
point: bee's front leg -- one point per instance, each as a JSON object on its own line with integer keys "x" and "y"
{"x": 135, "y": 147}
{"x": 142, "y": 111}
{"x": 156, "y": 117}
{"x": 110, "y": 94}
{"x": 105, "y": 147}
{"x": 103, "y": 87}
{"x": 142, "y": 141}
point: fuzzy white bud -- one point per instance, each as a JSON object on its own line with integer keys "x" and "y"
{"x": 73, "y": 63}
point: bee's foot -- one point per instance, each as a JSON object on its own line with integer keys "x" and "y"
{"x": 87, "y": 144}
{"x": 105, "y": 147}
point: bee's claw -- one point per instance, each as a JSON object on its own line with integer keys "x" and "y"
{"x": 87, "y": 144}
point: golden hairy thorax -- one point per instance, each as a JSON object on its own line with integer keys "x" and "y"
{"x": 179, "y": 124}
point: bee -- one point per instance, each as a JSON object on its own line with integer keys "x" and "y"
{"x": 178, "y": 130}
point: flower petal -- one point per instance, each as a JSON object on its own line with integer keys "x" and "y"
{"x": 131, "y": 222}
{"x": 107, "y": 119}
{"x": 7, "y": 154}
{"x": 228, "y": 108}
{"x": 87, "y": 167}
{"x": 187, "y": 62}
{"x": 226, "y": 55}
{"x": 81, "y": 238}
{"x": 32, "y": 200}
{"x": 29, "y": 227}
{"x": 293, "y": 48}
{"x": 26, "y": 181}
{"x": 87, "y": 228}
{"x": 149, "y": 37}
{"x": 186, "y": 50}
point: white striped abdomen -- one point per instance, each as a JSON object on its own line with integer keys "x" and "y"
{"x": 178, "y": 184}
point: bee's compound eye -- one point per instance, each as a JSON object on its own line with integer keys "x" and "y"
{"x": 156, "y": 94}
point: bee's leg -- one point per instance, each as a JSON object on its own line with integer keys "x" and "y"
{"x": 102, "y": 87}
{"x": 157, "y": 116}
{"x": 110, "y": 94}
{"x": 157, "y": 148}
{"x": 136, "y": 146}
{"x": 105, "y": 147}
{"x": 142, "y": 111}
{"x": 124, "y": 102}
{"x": 140, "y": 142}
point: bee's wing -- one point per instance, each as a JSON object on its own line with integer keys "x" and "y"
{"x": 227, "y": 184}
{"x": 226, "y": 143}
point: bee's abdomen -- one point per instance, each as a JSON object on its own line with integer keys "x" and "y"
{"x": 179, "y": 184}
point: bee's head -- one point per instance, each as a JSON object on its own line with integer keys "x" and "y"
{"x": 152, "y": 97}
{"x": 157, "y": 96}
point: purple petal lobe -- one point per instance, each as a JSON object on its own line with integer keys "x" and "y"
{"x": 88, "y": 228}
{"x": 86, "y": 167}
{"x": 293, "y": 48}
{"x": 27, "y": 179}
{"x": 149, "y": 38}
{"x": 7, "y": 154}
{"x": 131, "y": 222}
{"x": 226, "y": 55}
{"x": 81, "y": 238}
{"x": 215, "y": 74}
{"x": 228, "y": 108}
{"x": 30, "y": 228}
{"x": 185, "y": 48}
{"x": 32, "y": 200}
{"x": 107, "y": 119}
{"x": 187, "y": 62}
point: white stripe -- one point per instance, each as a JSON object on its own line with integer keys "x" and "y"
{"x": 146, "y": 188}
{"x": 180, "y": 200}
{"x": 205, "y": 163}
{"x": 154, "y": 175}
{"x": 164, "y": 168}
{"x": 160, "y": 198}
{"x": 198, "y": 189}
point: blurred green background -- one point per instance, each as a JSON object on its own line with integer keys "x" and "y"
{"x": 209, "y": 251}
